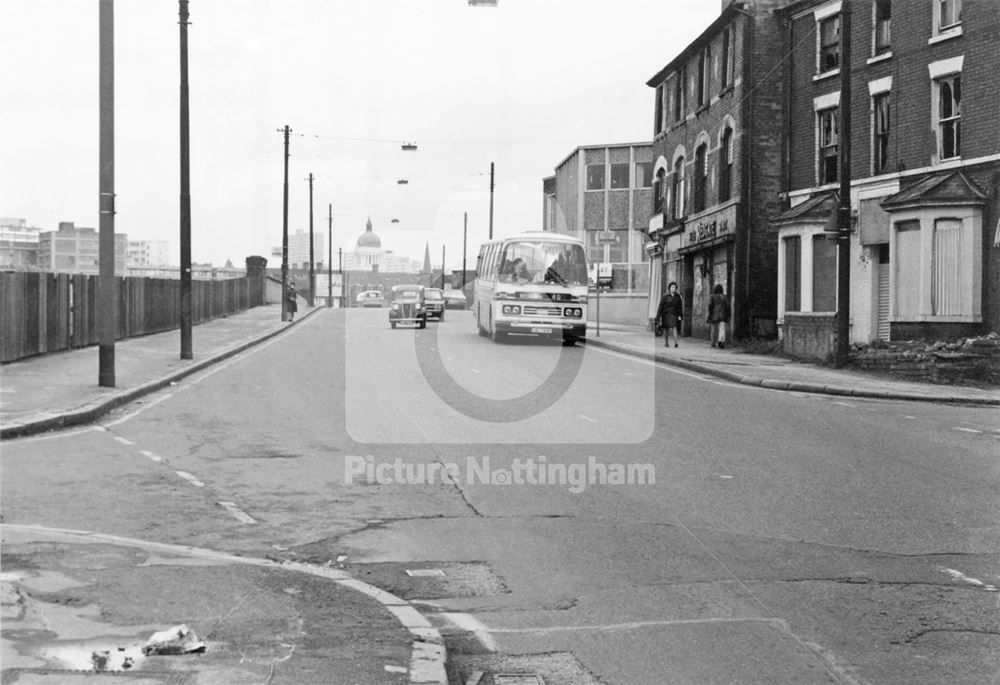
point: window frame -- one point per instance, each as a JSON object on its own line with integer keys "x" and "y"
{"x": 953, "y": 122}
{"x": 677, "y": 190}
{"x": 611, "y": 174}
{"x": 680, "y": 95}
{"x": 832, "y": 114}
{"x": 704, "y": 76}
{"x": 643, "y": 174}
{"x": 728, "y": 60}
{"x": 659, "y": 190}
{"x": 879, "y": 47}
{"x": 881, "y": 132}
{"x": 700, "y": 181}
{"x": 590, "y": 186}
{"x": 823, "y": 49}
{"x": 726, "y": 164}
{"x": 792, "y": 245}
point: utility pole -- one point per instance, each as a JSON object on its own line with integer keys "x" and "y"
{"x": 284, "y": 237}
{"x": 329, "y": 258}
{"x": 442, "y": 267}
{"x": 107, "y": 286}
{"x": 843, "y": 316}
{"x": 312, "y": 258}
{"x": 465, "y": 233}
{"x": 343, "y": 281}
{"x": 491, "y": 200}
{"x": 187, "y": 351}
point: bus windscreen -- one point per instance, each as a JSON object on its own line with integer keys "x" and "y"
{"x": 543, "y": 262}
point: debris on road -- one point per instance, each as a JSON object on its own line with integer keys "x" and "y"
{"x": 177, "y": 640}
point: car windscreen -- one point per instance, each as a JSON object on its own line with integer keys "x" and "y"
{"x": 406, "y": 295}
{"x": 432, "y": 294}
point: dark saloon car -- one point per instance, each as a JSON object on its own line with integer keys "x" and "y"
{"x": 434, "y": 301}
{"x": 455, "y": 299}
{"x": 407, "y": 306}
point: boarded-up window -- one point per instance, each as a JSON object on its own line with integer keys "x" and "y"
{"x": 947, "y": 263}
{"x": 793, "y": 273}
{"x": 907, "y": 258}
{"x": 824, "y": 285}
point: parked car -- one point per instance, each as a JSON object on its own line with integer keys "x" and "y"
{"x": 434, "y": 301}
{"x": 455, "y": 299}
{"x": 406, "y": 307}
{"x": 370, "y": 298}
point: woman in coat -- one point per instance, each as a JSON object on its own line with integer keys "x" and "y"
{"x": 670, "y": 313}
{"x": 718, "y": 315}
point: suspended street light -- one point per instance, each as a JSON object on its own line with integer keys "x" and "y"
{"x": 409, "y": 147}
{"x": 402, "y": 182}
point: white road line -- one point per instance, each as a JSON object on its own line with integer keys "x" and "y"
{"x": 586, "y": 418}
{"x": 965, "y": 430}
{"x": 907, "y": 416}
{"x": 191, "y": 479}
{"x": 845, "y": 404}
{"x": 240, "y": 515}
{"x": 124, "y": 441}
{"x": 151, "y": 455}
{"x": 958, "y": 575}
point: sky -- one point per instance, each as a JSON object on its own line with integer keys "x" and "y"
{"x": 521, "y": 85}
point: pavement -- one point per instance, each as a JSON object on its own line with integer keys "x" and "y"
{"x": 735, "y": 364}
{"x": 60, "y": 587}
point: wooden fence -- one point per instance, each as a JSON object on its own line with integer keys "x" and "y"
{"x": 47, "y": 312}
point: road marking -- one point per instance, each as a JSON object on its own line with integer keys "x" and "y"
{"x": 237, "y": 512}
{"x": 151, "y": 455}
{"x": 845, "y": 404}
{"x": 958, "y": 575}
{"x": 965, "y": 430}
{"x": 586, "y": 418}
{"x": 191, "y": 479}
{"x": 907, "y": 416}
{"x": 474, "y": 370}
{"x": 124, "y": 441}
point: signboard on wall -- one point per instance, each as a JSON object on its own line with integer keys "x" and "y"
{"x": 710, "y": 227}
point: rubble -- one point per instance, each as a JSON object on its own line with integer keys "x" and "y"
{"x": 973, "y": 360}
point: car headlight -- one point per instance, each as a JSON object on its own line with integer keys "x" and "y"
{"x": 395, "y": 306}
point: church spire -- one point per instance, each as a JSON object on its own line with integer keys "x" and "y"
{"x": 427, "y": 259}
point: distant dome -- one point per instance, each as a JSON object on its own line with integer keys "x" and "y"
{"x": 368, "y": 238}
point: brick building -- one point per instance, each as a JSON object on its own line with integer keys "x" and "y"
{"x": 925, "y": 170}
{"x": 605, "y": 190}
{"x": 717, "y": 168}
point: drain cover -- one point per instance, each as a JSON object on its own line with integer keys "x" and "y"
{"x": 517, "y": 679}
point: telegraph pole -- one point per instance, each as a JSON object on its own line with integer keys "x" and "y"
{"x": 465, "y": 233}
{"x": 284, "y": 237}
{"x": 329, "y": 258}
{"x": 843, "y": 316}
{"x": 491, "y": 200}
{"x": 107, "y": 290}
{"x": 312, "y": 258}
{"x": 186, "y": 335}
{"x": 442, "y": 267}
{"x": 343, "y": 281}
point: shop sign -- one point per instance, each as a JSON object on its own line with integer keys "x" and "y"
{"x": 712, "y": 226}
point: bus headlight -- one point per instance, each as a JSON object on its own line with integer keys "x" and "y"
{"x": 511, "y": 309}
{"x": 573, "y": 312}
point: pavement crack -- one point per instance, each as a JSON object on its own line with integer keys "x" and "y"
{"x": 461, "y": 492}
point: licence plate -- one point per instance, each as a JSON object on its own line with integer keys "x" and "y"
{"x": 541, "y": 330}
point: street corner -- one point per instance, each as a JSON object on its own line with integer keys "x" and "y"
{"x": 72, "y": 608}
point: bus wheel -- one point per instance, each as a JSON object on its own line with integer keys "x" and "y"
{"x": 479, "y": 325}
{"x": 569, "y": 342}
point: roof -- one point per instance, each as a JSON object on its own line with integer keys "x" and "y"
{"x": 817, "y": 209}
{"x": 708, "y": 34}
{"x": 947, "y": 189}
{"x": 600, "y": 146}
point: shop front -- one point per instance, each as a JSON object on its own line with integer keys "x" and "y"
{"x": 707, "y": 259}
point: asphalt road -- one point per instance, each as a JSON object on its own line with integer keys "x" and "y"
{"x": 687, "y": 530}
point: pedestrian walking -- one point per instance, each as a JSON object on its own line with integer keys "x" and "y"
{"x": 718, "y": 315}
{"x": 293, "y": 305}
{"x": 670, "y": 313}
